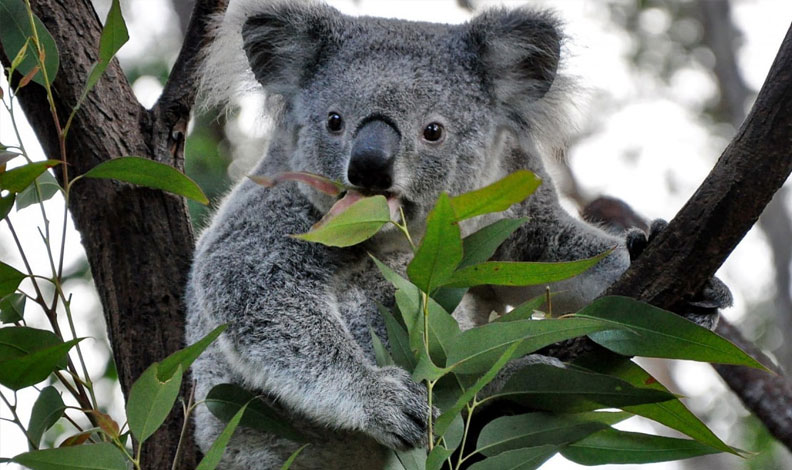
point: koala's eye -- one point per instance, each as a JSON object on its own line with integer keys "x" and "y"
{"x": 433, "y": 132}
{"x": 335, "y": 123}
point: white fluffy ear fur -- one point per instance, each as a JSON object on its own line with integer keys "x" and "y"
{"x": 520, "y": 52}
{"x": 262, "y": 46}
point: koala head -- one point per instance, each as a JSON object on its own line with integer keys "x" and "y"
{"x": 405, "y": 109}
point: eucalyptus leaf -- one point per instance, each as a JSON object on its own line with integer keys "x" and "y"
{"x": 47, "y": 410}
{"x": 566, "y": 390}
{"x": 381, "y": 354}
{"x": 357, "y": 223}
{"x": 47, "y": 187}
{"x": 437, "y": 457}
{"x": 14, "y": 33}
{"x": 216, "y": 451}
{"x": 225, "y": 400}
{"x": 476, "y": 349}
{"x": 518, "y": 273}
{"x": 496, "y": 197}
{"x": 447, "y": 418}
{"x": 29, "y": 355}
{"x": 6, "y": 203}
{"x": 145, "y": 172}
{"x": 288, "y": 463}
{"x": 440, "y": 250}
{"x": 399, "y": 342}
{"x": 672, "y": 413}
{"x": 12, "y": 308}
{"x": 9, "y": 279}
{"x": 539, "y": 429}
{"x": 519, "y": 459}
{"x": 102, "y": 456}
{"x": 611, "y": 446}
{"x": 151, "y": 401}
{"x": 185, "y": 357}
{"x": 653, "y": 332}
{"x": 114, "y": 35}
{"x": 20, "y": 178}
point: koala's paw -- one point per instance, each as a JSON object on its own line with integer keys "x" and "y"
{"x": 397, "y": 412}
{"x": 703, "y": 307}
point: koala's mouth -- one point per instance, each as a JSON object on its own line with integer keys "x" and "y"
{"x": 351, "y": 196}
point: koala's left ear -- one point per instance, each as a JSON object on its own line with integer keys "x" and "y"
{"x": 519, "y": 50}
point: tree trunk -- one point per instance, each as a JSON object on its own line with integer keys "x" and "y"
{"x": 139, "y": 241}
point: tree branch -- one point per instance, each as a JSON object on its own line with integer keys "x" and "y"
{"x": 727, "y": 204}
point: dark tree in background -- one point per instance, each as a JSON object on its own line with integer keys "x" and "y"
{"x": 139, "y": 241}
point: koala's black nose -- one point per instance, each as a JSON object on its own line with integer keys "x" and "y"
{"x": 373, "y": 152}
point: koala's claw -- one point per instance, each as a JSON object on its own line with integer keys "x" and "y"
{"x": 398, "y": 413}
{"x": 703, "y": 307}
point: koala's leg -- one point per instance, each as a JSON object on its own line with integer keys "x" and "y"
{"x": 285, "y": 335}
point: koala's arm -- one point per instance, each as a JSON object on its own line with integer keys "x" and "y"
{"x": 285, "y": 335}
{"x": 552, "y": 235}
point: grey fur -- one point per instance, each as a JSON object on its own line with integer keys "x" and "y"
{"x": 299, "y": 313}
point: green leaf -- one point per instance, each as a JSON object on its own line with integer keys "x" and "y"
{"x": 477, "y": 248}
{"x": 114, "y": 35}
{"x": 539, "y": 429}
{"x": 442, "y": 326}
{"x": 566, "y": 390}
{"x": 525, "y": 310}
{"x": 19, "y": 178}
{"x": 444, "y": 421}
{"x": 288, "y": 463}
{"x": 216, "y": 451}
{"x": 6, "y": 203}
{"x": 359, "y": 222}
{"x": 438, "y": 456}
{"x": 426, "y": 369}
{"x": 672, "y": 413}
{"x": 496, "y": 197}
{"x": 441, "y": 248}
{"x": 517, "y": 273}
{"x": 413, "y": 459}
{"x": 12, "y": 308}
{"x": 620, "y": 447}
{"x": 381, "y": 354}
{"x": 150, "y": 401}
{"x": 29, "y": 355}
{"x": 9, "y": 279}
{"x": 47, "y": 410}
{"x": 476, "y": 349}
{"x": 519, "y": 459}
{"x": 102, "y": 456}
{"x": 654, "y": 332}
{"x": 14, "y": 32}
{"x": 47, "y": 186}
{"x": 185, "y": 357}
{"x": 145, "y": 172}
{"x": 225, "y": 400}
{"x": 481, "y": 245}
{"x": 399, "y": 342}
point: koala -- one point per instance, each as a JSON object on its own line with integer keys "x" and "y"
{"x": 399, "y": 108}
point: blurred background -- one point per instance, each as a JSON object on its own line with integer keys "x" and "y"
{"x": 664, "y": 84}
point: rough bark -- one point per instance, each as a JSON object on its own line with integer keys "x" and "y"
{"x": 727, "y": 204}
{"x": 139, "y": 241}
{"x": 721, "y": 36}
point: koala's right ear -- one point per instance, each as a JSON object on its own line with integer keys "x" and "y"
{"x": 286, "y": 40}
{"x": 519, "y": 49}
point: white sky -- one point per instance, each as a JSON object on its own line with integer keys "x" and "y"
{"x": 672, "y": 152}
